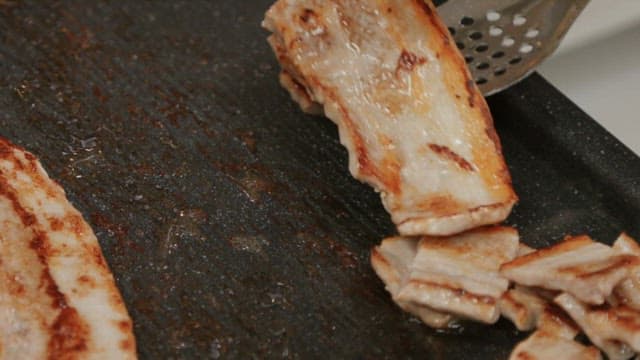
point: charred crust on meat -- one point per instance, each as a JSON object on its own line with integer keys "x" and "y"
{"x": 617, "y": 264}
{"x": 470, "y": 85}
{"x": 377, "y": 259}
{"x": 69, "y": 335}
{"x": 307, "y": 14}
{"x": 429, "y": 12}
{"x": 126, "y": 344}
{"x": 408, "y": 61}
{"x": 446, "y": 153}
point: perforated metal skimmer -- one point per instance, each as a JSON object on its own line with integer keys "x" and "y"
{"x": 504, "y": 40}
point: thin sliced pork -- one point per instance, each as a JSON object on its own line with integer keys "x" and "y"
{"x": 615, "y": 330}
{"x": 391, "y": 261}
{"x": 628, "y": 291}
{"x": 415, "y": 125}
{"x": 577, "y": 265}
{"x": 542, "y": 345}
{"x": 459, "y": 274}
{"x": 531, "y": 309}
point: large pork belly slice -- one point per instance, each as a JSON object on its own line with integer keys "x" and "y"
{"x": 415, "y": 125}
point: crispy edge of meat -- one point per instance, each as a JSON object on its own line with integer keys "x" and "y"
{"x": 444, "y": 290}
{"x": 540, "y": 342}
{"x": 392, "y": 278}
{"x": 530, "y": 309}
{"x": 456, "y": 301}
{"x": 583, "y": 315}
{"x": 458, "y": 74}
{"x": 582, "y": 280}
{"x": 628, "y": 291}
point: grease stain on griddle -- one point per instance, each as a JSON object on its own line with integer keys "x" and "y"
{"x": 187, "y": 226}
{"x": 253, "y": 179}
{"x": 248, "y": 138}
{"x": 249, "y": 243}
{"x": 117, "y": 230}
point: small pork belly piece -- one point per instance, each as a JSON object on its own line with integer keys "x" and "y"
{"x": 542, "y": 345}
{"x": 628, "y": 291}
{"x": 416, "y": 127}
{"x": 615, "y": 330}
{"x": 459, "y": 274}
{"x": 578, "y": 265}
{"x": 530, "y": 309}
{"x": 391, "y": 261}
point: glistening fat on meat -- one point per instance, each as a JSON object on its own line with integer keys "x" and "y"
{"x": 415, "y": 126}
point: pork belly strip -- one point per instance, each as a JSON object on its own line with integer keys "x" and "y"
{"x": 459, "y": 274}
{"x": 391, "y": 261}
{"x": 531, "y": 308}
{"x": 58, "y": 299}
{"x": 542, "y": 345}
{"x": 628, "y": 291}
{"x": 578, "y": 265}
{"x": 615, "y": 330}
{"x": 416, "y": 127}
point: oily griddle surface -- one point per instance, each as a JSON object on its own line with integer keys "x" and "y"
{"x": 228, "y": 217}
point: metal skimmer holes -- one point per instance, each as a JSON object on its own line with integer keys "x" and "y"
{"x": 494, "y": 44}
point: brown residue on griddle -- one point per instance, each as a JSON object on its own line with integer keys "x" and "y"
{"x": 119, "y": 231}
{"x": 187, "y": 224}
{"x": 248, "y": 139}
{"x": 78, "y": 41}
{"x": 347, "y": 258}
{"x": 253, "y": 179}
{"x": 249, "y": 243}
{"x": 97, "y": 92}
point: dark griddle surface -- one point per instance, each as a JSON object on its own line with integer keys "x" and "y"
{"x": 228, "y": 217}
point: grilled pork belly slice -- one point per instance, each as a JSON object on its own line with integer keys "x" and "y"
{"x": 577, "y": 265}
{"x": 615, "y": 330}
{"x": 391, "y": 261}
{"x": 58, "y": 299}
{"x": 459, "y": 274}
{"x": 416, "y": 127}
{"x": 531, "y": 309}
{"x": 628, "y": 291}
{"x": 542, "y": 345}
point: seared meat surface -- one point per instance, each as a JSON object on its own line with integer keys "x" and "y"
{"x": 58, "y": 299}
{"x": 416, "y": 127}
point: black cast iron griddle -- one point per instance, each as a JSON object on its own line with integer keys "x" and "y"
{"x": 228, "y": 217}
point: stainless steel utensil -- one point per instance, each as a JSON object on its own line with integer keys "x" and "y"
{"x": 504, "y": 40}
